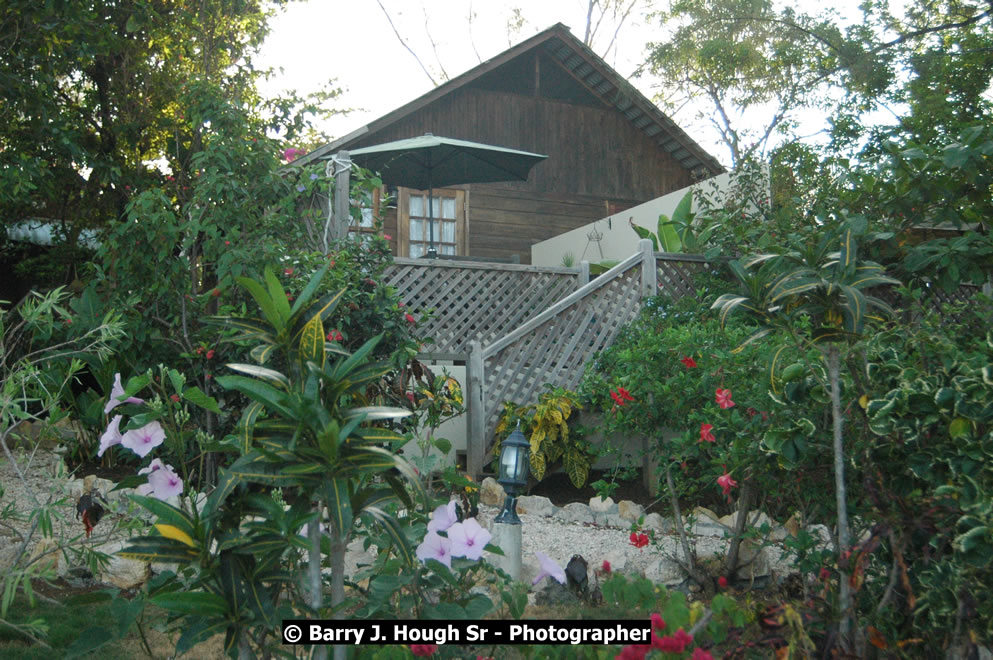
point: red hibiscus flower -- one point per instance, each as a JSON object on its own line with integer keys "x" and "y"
{"x": 700, "y": 654}
{"x": 639, "y": 540}
{"x": 723, "y": 398}
{"x": 334, "y": 335}
{"x": 657, "y": 622}
{"x": 726, "y": 482}
{"x": 722, "y": 582}
{"x": 606, "y": 566}
{"x": 410, "y": 319}
{"x": 287, "y": 271}
{"x": 423, "y": 650}
{"x": 705, "y": 434}
{"x": 689, "y": 362}
{"x": 210, "y": 354}
{"x": 621, "y": 396}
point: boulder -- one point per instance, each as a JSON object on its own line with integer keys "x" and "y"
{"x": 600, "y": 505}
{"x": 535, "y": 505}
{"x": 46, "y": 556}
{"x": 125, "y": 573}
{"x": 617, "y": 559}
{"x": 755, "y": 561}
{"x": 664, "y": 571}
{"x": 629, "y": 510}
{"x": 656, "y": 521}
{"x": 575, "y": 512}
{"x": 491, "y": 493}
{"x": 704, "y": 512}
{"x": 821, "y": 533}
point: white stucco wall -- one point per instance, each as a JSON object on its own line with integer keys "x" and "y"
{"x": 619, "y": 241}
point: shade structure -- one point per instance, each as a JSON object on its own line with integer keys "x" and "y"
{"x": 431, "y": 161}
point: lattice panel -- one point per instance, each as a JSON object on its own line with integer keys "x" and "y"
{"x": 475, "y": 301}
{"x": 675, "y": 274}
{"x": 556, "y": 352}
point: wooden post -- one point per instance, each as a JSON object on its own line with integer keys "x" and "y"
{"x": 649, "y": 467}
{"x": 649, "y": 276}
{"x": 475, "y": 442}
{"x": 342, "y": 216}
{"x": 584, "y": 274}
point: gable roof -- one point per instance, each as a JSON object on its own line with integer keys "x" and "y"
{"x": 588, "y": 69}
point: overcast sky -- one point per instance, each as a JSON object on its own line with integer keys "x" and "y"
{"x": 352, "y": 41}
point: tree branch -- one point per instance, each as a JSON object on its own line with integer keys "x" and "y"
{"x": 404, "y": 44}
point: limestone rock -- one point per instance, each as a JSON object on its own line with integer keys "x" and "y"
{"x": 124, "y": 573}
{"x": 617, "y": 559}
{"x": 704, "y": 512}
{"x": 656, "y": 521}
{"x": 599, "y": 505}
{"x": 755, "y": 560}
{"x": 664, "y": 571}
{"x": 575, "y": 512}
{"x": 821, "y": 533}
{"x": 793, "y": 524}
{"x": 535, "y": 505}
{"x": 629, "y": 510}
{"x": 491, "y": 493}
{"x": 45, "y": 555}
{"x": 610, "y": 520}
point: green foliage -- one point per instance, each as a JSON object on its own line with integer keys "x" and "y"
{"x": 930, "y": 439}
{"x": 308, "y": 431}
{"x": 678, "y": 234}
{"x": 546, "y": 424}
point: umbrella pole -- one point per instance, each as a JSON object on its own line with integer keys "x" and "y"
{"x": 432, "y": 250}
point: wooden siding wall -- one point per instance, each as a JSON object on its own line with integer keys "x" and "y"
{"x": 598, "y": 162}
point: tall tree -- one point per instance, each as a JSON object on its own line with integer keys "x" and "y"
{"x": 93, "y": 107}
{"x": 750, "y": 68}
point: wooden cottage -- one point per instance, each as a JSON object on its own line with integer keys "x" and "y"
{"x": 609, "y": 148}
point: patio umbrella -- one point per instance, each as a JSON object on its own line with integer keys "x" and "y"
{"x": 428, "y": 161}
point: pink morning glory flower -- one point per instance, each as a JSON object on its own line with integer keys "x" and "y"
{"x": 468, "y": 539}
{"x": 143, "y": 440}
{"x": 116, "y": 392}
{"x": 165, "y": 482}
{"x": 443, "y": 517}
{"x": 549, "y": 568}
{"x": 435, "y": 547}
{"x": 112, "y": 436}
{"x": 146, "y": 488}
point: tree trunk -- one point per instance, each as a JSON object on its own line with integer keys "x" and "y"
{"x": 690, "y": 564}
{"x": 339, "y": 541}
{"x": 316, "y": 597}
{"x": 844, "y": 590}
{"x": 744, "y": 504}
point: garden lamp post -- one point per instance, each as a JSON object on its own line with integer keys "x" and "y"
{"x": 514, "y": 463}
{"x": 513, "y": 476}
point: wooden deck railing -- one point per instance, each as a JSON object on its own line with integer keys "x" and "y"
{"x": 552, "y": 347}
{"x": 481, "y": 301}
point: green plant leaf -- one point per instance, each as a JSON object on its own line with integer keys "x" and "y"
{"x": 192, "y": 602}
{"x": 339, "y": 501}
{"x": 197, "y": 397}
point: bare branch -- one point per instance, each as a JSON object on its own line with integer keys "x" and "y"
{"x": 404, "y": 44}
{"x": 472, "y": 41}
{"x": 434, "y": 46}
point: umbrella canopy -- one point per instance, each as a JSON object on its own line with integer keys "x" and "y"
{"x": 431, "y": 161}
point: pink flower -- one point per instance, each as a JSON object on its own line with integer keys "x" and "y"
{"x": 689, "y": 362}
{"x": 146, "y": 488}
{"x": 634, "y": 652}
{"x": 334, "y": 335}
{"x": 726, "y": 482}
{"x": 387, "y": 237}
{"x": 423, "y": 650}
{"x": 700, "y": 654}
{"x": 468, "y": 539}
{"x": 410, "y": 319}
{"x": 676, "y": 643}
{"x": 658, "y": 623}
{"x": 287, "y": 271}
{"x": 165, "y": 482}
{"x": 112, "y": 436}
{"x": 443, "y": 518}
{"x": 116, "y": 392}
{"x": 143, "y": 440}
{"x": 705, "y": 434}
{"x": 210, "y": 354}
{"x": 435, "y": 547}
{"x": 292, "y": 154}
{"x": 549, "y": 568}
{"x": 723, "y": 398}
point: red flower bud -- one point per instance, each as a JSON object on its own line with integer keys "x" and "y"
{"x": 210, "y": 354}
{"x": 175, "y": 397}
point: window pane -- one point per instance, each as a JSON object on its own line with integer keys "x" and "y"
{"x": 448, "y": 208}
{"x": 416, "y": 229}
{"x": 447, "y": 249}
{"x": 366, "y": 218}
{"x": 416, "y": 205}
{"x": 447, "y": 232}
{"x": 416, "y": 250}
